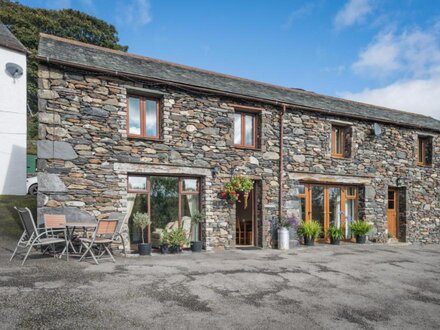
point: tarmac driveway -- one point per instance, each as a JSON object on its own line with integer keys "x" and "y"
{"x": 346, "y": 287}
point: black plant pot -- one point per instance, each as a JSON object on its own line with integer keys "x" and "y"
{"x": 144, "y": 249}
{"x": 164, "y": 248}
{"x": 175, "y": 249}
{"x": 334, "y": 241}
{"x": 360, "y": 239}
{"x": 196, "y": 246}
{"x": 309, "y": 241}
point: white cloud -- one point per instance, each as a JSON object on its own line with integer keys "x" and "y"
{"x": 134, "y": 13}
{"x": 380, "y": 57}
{"x": 410, "y": 61}
{"x": 353, "y": 12}
{"x": 416, "y": 95}
{"x": 299, "y": 13}
{"x": 412, "y": 53}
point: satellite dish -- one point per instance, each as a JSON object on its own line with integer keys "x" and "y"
{"x": 14, "y": 70}
{"x": 377, "y": 130}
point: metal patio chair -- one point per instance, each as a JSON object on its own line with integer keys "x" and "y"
{"x": 39, "y": 238}
{"x": 102, "y": 238}
{"x": 118, "y": 237}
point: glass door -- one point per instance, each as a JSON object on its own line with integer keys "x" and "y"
{"x": 334, "y": 203}
{"x": 329, "y": 205}
{"x": 318, "y": 204}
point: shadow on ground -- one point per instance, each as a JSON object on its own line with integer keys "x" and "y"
{"x": 346, "y": 287}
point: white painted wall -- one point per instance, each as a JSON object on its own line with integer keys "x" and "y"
{"x": 12, "y": 126}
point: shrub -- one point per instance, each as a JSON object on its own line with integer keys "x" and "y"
{"x": 175, "y": 237}
{"x": 141, "y": 220}
{"x": 360, "y": 227}
{"x": 335, "y": 233}
{"x": 310, "y": 229}
{"x": 197, "y": 218}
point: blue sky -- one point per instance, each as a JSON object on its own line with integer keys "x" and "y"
{"x": 385, "y": 52}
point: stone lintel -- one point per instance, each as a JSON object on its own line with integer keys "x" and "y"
{"x": 327, "y": 178}
{"x": 161, "y": 169}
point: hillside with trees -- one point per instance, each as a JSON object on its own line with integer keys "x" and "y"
{"x": 27, "y": 23}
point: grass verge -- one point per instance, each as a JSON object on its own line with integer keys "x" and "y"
{"x": 10, "y": 224}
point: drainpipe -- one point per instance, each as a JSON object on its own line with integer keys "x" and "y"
{"x": 281, "y": 195}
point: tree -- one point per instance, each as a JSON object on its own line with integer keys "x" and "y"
{"x": 27, "y": 23}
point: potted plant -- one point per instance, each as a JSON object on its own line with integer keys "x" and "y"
{"x": 238, "y": 184}
{"x": 142, "y": 220}
{"x": 309, "y": 230}
{"x": 335, "y": 234}
{"x": 164, "y": 246}
{"x": 176, "y": 239}
{"x": 196, "y": 219}
{"x": 360, "y": 229}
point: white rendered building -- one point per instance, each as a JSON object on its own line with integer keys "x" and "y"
{"x": 12, "y": 114}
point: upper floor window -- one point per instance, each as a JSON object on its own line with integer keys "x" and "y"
{"x": 341, "y": 141}
{"x": 245, "y": 129}
{"x": 143, "y": 117}
{"x": 424, "y": 150}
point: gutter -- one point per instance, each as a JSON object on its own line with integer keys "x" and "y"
{"x": 229, "y": 94}
{"x": 281, "y": 193}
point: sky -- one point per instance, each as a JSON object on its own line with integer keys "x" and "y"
{"x": 384, "y": 52}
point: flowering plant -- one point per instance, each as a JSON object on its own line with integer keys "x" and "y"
{"x": 285, "y": 222}
{"x": 238, "y": 184}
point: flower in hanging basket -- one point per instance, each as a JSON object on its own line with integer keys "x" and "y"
{"x": 238, "y": 184}
{"x": 223, "y": 195}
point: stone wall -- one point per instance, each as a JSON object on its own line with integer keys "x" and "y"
{"x": 87, "y": 165}
{"x": 376, "y": 163}
{"x": 85, "y": 154}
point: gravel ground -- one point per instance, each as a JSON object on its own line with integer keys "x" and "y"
{"x": 325, "y": 287}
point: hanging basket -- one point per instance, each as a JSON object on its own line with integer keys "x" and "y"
{"x": 239, "y": 184}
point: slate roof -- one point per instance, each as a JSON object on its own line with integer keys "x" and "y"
{"x": 8, "y": 40}
{"x": 81, "y": 55}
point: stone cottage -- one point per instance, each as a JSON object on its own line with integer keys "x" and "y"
{"x": 121, "y": 133}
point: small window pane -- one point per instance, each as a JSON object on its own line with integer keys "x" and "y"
{"x": 190, "y": 185}
{"x": 190, "y": 206}
{"x": 338, "y": 140}
{"x": 301, "y": 189}
{"x": 237, "y": 128}
{"x": 137, "y": 183}
{"x": 134, "y": 116}
{"x": 249, "y": 128}
{"x": 138, "y": 203}
{"x": 303, "y": 209}
{"x": 351, "y": 191}
{"x": 151, "y": 118}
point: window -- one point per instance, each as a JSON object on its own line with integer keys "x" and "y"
{"x": 143, "y": 117}
{"x": 245, "y": 130}
{"x": 424, "y": 151}
{"x": 341, "y": 141}
{"x": 170, "y": 202}
{"x": 329, "y": 205}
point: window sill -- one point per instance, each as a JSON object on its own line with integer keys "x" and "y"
{"x": 341, "y": 157}
{"x": 425, "y": 165}
{"x": 247, "y": 148}
{"x": 152, "y": 139}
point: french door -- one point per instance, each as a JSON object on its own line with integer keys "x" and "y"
{"x": 329, "y": 205}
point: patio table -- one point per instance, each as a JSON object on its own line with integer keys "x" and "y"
{"x": 71, "y": 226}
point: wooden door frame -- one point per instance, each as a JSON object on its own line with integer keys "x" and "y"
{"x": 395, "y": 190}
{"x": 253, "y": 196}
{"x": 344, "y": 197}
